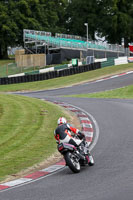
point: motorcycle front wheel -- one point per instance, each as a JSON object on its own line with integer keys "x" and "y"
{"x": 72, "y": 162}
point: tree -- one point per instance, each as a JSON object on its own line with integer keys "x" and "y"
{"x": 80, "y": 12}
{"x": 7, "y": 30}
{"x": 116, "y": 20}
{"x": 16, "y": 15}
{"x": 112, "y": 19}
{"x": 55, "y": 12}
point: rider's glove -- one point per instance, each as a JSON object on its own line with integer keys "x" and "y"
{"x": 80, "y": 135}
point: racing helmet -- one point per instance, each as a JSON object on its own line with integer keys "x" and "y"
{"x": 61, "y": 120}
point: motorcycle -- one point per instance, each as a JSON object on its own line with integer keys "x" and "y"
{"x": 75, "y": 156}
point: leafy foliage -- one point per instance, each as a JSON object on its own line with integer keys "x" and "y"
{"x": 80, "y": 12}
{"x": 28, "y": 14}
{"x": 117, "y": 16}
{"x": 112, "y": 19}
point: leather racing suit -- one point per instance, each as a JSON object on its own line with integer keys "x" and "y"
{"x": 63, "y": 134}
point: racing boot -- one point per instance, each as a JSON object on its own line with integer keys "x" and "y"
{"x": 91, "y": 159}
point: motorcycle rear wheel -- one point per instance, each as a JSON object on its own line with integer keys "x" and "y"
{"x": 72, "y": 162}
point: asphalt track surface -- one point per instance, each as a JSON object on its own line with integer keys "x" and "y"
{"x": 112, "y": 175}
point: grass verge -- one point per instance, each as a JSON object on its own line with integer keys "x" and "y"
{"x": 7, "y": 61}
{"x": 121, "y": 93}
{"x": 68, "y": 80}
{"x": 26, "y": 132}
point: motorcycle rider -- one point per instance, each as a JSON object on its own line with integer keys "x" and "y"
{"x": 63, "y": 134}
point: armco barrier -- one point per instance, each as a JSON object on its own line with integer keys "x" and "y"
{"x": 32, "y": 72}
{"x": 49, "y": 75}
{"x": 60, "y": 67}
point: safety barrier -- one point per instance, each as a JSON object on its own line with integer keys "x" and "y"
{"x": 130, "y": 59}
{"x": 121, "y": 60}
{"x": 49, "y": 75}
{"x": 109, "y": 62}
{"x": 114, "y": 61}
{"x": 105, "y": 62}
{"x": 60, "y": 67}
{"x": 100, "y": 59}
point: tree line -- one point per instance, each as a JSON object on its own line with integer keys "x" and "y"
{"x": 112, "y": 19}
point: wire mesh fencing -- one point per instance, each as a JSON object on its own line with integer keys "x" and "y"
{"x": 13, "y": 68}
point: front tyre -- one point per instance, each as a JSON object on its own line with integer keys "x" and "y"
{"x": 72, "y": 162}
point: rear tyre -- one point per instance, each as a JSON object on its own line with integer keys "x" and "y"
{"x": 72, "y": 162}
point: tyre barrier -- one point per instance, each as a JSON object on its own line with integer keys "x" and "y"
{"x": 50, "y": 74}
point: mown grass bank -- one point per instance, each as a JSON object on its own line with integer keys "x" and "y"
{"x": 68, "y": 80}
{"x": 26, "y": 132}
{"x": 121, "y": 93}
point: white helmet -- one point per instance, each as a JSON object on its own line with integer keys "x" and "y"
{"x": 61, "y": 120}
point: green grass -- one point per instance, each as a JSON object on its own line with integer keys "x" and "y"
{"x": 68, "y": 80}
{"x": 121, "y": 93}
{"x": 9, "y": 67}
{"x": 26, "y": 132}
{"x": 7, "y": 61}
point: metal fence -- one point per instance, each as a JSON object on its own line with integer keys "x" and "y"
{"x": 12, "y": 68}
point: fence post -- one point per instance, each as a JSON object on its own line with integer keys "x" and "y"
{"x": 21, "y": 69}
{"x": 7, "y": 69}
